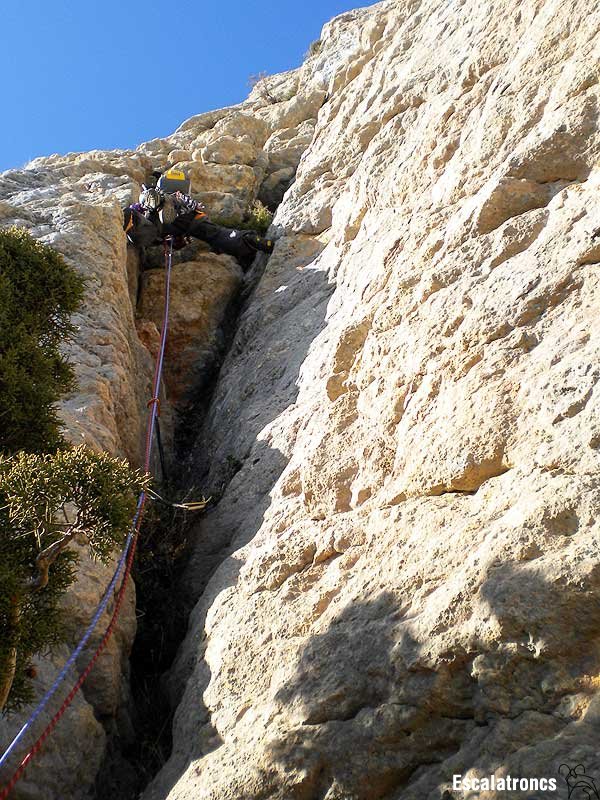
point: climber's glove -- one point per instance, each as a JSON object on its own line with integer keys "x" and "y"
{"x": 187, "y": 203}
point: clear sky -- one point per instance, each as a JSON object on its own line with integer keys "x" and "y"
{"x": 114, "y": 73}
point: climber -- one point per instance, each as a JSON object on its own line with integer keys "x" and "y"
{"x": 164, "y": 210}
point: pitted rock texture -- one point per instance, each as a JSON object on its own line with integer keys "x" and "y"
{"x": 400, "y": 581}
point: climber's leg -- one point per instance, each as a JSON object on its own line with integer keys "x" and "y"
{"x": 243, "y": 245}
{"x": 201, "y": 228}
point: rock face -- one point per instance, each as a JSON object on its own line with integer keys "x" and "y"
{"x": 200, "y": 293}
{"x": 400, "y": 582}
{"x": 74, "y": 203}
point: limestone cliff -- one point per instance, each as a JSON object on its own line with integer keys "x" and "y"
{"x": 74, "y": 202}
{"x": 409, "y": 583}
{"x": 399, "y": 579}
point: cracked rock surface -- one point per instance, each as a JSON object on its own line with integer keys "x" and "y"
{"x": 400, "y": 581}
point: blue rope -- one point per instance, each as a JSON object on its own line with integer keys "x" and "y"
{"x": 110, "y": 589}
{"x": 77, "y": 652}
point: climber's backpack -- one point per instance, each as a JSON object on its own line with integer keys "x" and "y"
{"x": 171, "y": 181}
{"x": 141, "y": 231}
{"x": 168, "y": 211}
{"x": 174, "y": 180}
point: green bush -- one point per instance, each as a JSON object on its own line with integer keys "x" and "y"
{"x": 38, "y": 294}
{"x": 49, "y": 493}
{"x": 257, "y": 219}
{"x": 46, "y": 501}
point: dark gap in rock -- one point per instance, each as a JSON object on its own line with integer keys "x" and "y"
{"x": 135, "y": 756}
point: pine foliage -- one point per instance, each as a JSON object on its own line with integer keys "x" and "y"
{"x": 51, "y": 495}
{"x": 39, "y": 293}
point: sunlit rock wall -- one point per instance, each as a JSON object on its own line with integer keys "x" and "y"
{"x": 73, "y": 202}
{"x": 400, "y": 581}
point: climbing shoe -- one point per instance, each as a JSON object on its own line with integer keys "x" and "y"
{"x": 265, "y": 245}
{"x": 259, "y": 243}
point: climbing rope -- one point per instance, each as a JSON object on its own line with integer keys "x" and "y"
{"x": 126, "y": 561}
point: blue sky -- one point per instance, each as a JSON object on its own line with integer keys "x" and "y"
{"x": 84, "y": 75}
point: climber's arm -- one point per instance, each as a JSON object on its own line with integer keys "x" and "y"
{"x": 185, "y": 204}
